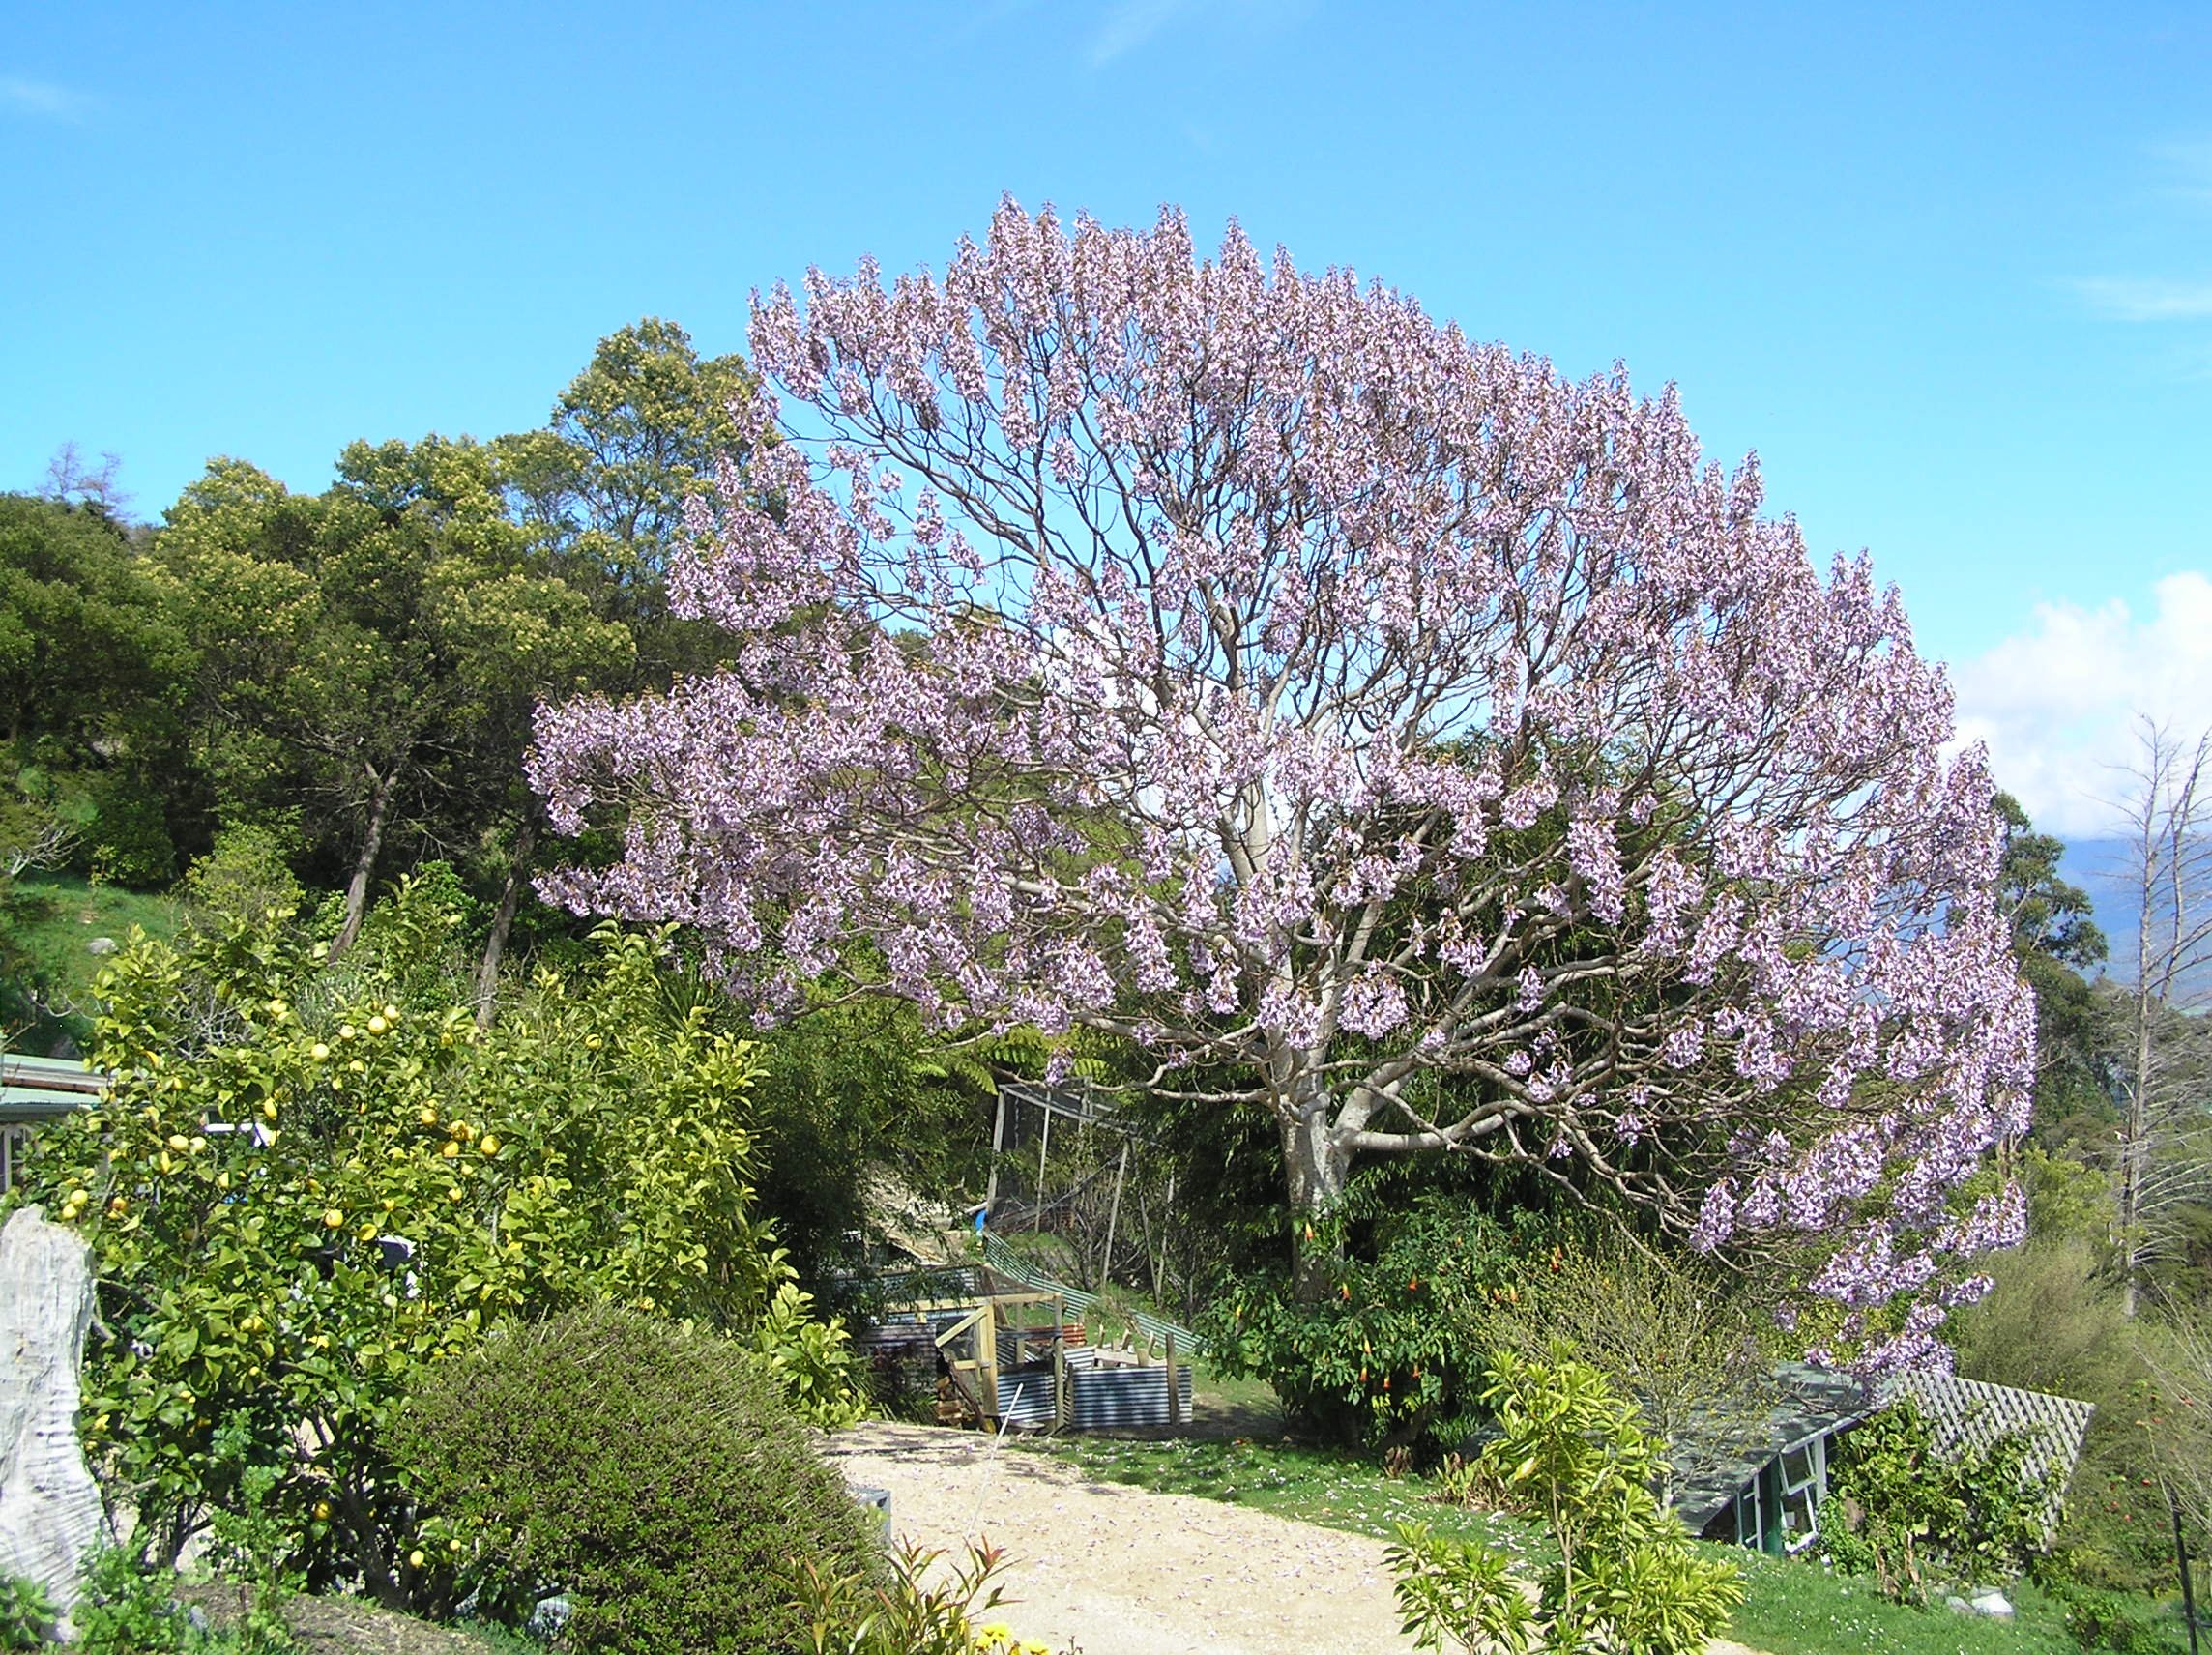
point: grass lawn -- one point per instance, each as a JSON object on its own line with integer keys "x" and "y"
{"x": 61, "y": 915}
{"x": 1790, "y": 1606}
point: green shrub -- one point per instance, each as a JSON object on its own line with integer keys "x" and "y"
{"x": 246, "y": 875}
{"x": 26, "y": 1614}
{"x": 129, "y": 1609}
{"x": 912, "y": 1607}
{"x": 653, "y": 1476}
{"x": 279, "y": 1116}
{"x": 2122, "y": 1624}
{"x": 1625, "y": 1577}
{"x": 1392, "y": 1354}
{"x": 1900, "y": 1507}
{"x": 127, "y": 842}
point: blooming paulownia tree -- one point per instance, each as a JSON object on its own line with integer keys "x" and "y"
{"x": 1377, "y": 728}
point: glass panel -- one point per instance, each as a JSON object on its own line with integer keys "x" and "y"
{"x": 1800, "y": 1522}
{"x": 1798, "y": 1468}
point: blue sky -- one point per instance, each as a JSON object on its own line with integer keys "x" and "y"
{"x": 1947, "y": 269}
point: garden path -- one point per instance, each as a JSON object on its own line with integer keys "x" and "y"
{"x": 1125, "y": 1571}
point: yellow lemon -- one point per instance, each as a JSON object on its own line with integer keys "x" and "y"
{"x": 179, "y": 1143}
{"x": 347, "y": 1031}
{"x": 490, "y": 1144}
{"x": 322, "y": 1511}
{"x": 391, "y": 1012}
{"x": 414, "y": 1558}
{"x": 269, "y": 1110}
{"x": 319, "y": 1052}
{"x": 117, "y": 1207}
{"x": 377, "y": 1026}
{"x": 427, "y": 1114}
{"x": 451, "y": 1149}
{"x": 333, "y": 1219}
{"x": 453, "y": 1194}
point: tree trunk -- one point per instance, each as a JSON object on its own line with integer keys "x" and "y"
{"x": 365, "y": 865}
{"x": 502, "y": 921}
{"x": 1314, "y": 1168}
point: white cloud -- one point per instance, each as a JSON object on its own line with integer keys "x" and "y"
{"x": 2129, "y": 301}
{"x": 1128, "y": 24}
{"x": 43, "y": 98}
{"x": 2057, "y": 706}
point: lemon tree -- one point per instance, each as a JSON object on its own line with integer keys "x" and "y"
{"x": 313, "y": 1177}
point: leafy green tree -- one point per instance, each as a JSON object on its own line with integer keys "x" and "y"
{"x": 639, "y": 434}
{"x": 377, "y": 650}
{"x": 89, "y": 664}
{"x": 1625, "y": 1576}
{"x": 316, "y": 1176}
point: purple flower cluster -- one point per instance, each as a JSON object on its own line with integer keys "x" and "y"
{"x": 1233, "y": 658}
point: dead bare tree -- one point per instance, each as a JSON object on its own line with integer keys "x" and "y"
{"x": 2163, "y": 1061}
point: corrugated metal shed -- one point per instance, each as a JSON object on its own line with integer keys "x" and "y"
{"x": 33, "y": 1089}
{"x": 38, "y": 1090}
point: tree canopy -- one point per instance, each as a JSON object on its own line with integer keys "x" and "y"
{"x": 1377, "y": 728}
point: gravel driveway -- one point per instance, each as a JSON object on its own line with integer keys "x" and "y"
{"x": 1122, "y": 1571}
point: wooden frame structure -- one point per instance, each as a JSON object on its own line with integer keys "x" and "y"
{"x": 1011, "y": 1367}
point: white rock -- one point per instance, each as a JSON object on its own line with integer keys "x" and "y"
{"x": 1991, "y": 1604}
{"x": 50, "y": 1514}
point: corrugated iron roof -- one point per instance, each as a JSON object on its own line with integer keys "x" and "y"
{"x": 40, "y": 1089}
{"x": 1716, "y": 1456}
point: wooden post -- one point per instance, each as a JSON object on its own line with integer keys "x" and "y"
{"x": 1113, "y": 1216}
{"x": 1160, "y": 1259}
{"x": 2181, "y": 1567}
{"x": 1060, "y": 1409}
{"x": 998, "y": 1148}
{"x": 1045, "y": 1146}
{"x": 987, "y": 1358}
{"x": 1175, "y": 1395}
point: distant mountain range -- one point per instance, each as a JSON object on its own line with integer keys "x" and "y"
{"x": 2100, "y": 868}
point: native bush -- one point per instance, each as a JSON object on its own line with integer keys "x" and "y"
{"x": 653, "y": 1476}
{"x": 317, "y": 1177}
{"x": 26, "y": 1615}
{"x": 1392, "y": 1354}
{"x": 1900, "y": 1507}
{"x": 912, "y": 1607}
{"x": 1625, "y": 1576}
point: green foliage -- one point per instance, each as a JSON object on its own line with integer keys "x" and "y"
{"x": 285, "y": 1124}
{"x": 1900, "y": 1508}
{"x": 1393, "y": 1352}
{"x": 653, "y": 1476}
{"x": 129, "y": 1609}
{"x": 247, "y": 874}
{"x": 2124, "y": 1623}
{"x": 127, "y": 838}
{"x": 810, "y": 1360}
{"x": 1626, "y": 1575}
{"x": 26, "y": 1615}
{"x": 1682, "y": 1341}
{"x": 915, "y": 1608}
{"x": 849, "y": 1096}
